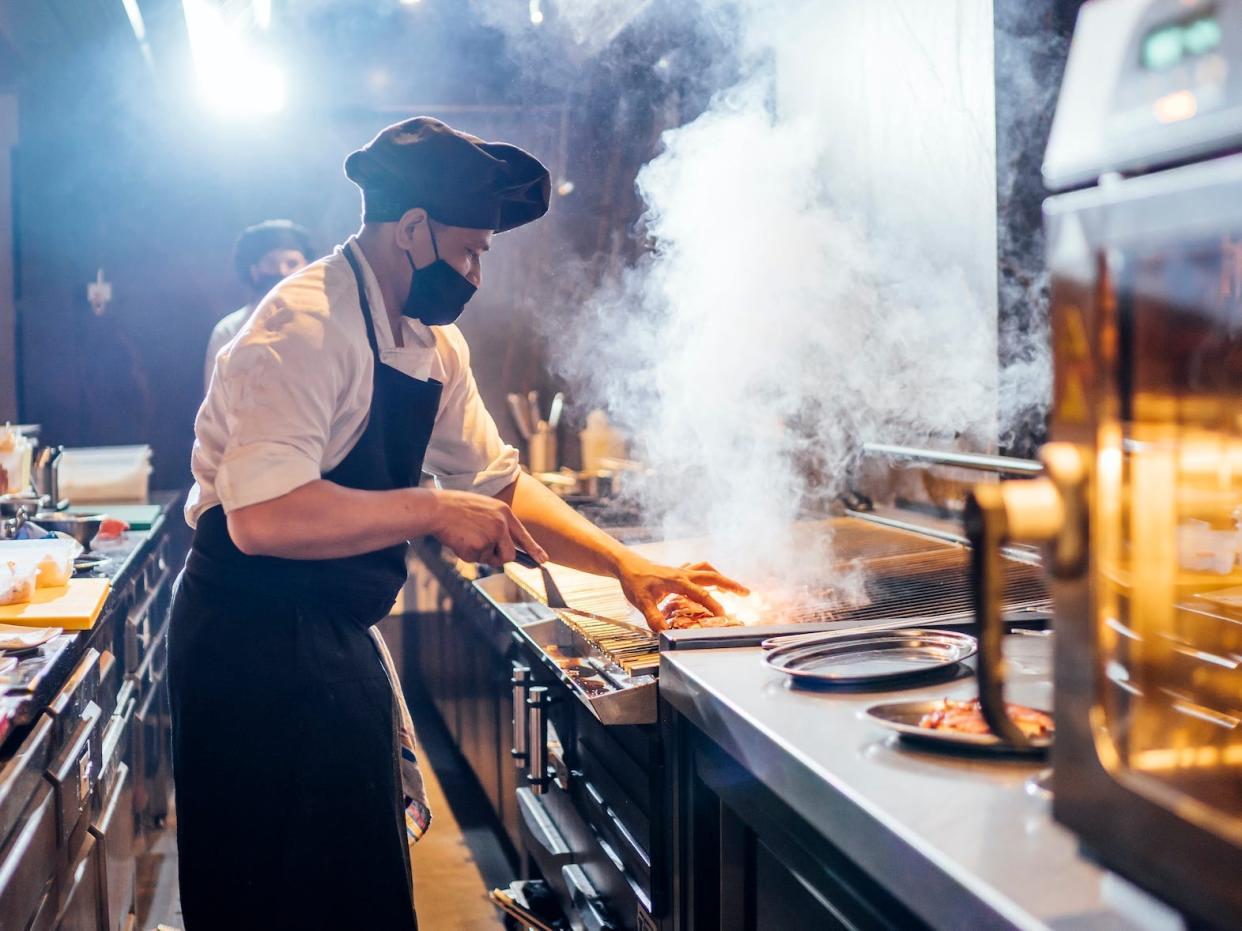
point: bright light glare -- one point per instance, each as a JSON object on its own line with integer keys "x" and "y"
{"x": 232, "y": 77}
{"x": 262, "y": 13}
{"x": 536, "y": 13}
{"x": 410, "y": 2}
{"x": 246, "y": 86}
{"x": 135, "y": 19}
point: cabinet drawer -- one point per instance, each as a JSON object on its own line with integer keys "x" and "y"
{"x": 28, "y": 864}
{"x": 114, "y": 832}
{"x": 80, "y": 911}
{"x": 81, "y": 689}
{"x": 73, "y": 775}
{"x": 22, "y": 775}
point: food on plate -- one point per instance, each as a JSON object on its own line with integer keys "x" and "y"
{"x": 681, "y": 613}
{"x": 17, "y": 583}
{"x": 966, "y": 717}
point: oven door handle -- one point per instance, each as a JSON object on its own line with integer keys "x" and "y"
{"x": 1051, "y": 510}
{"x": 586, "y": 901}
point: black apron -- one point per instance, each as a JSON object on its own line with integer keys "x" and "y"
{"x": 289, "y": 808}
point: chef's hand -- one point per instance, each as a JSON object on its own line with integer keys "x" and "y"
{"x": 481, "y": 529}
{"x": 645, "y": 583}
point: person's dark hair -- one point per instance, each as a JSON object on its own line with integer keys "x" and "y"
{"x": 258, "y": 240}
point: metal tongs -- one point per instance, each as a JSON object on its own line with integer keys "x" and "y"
{"x": 552, "y": 596}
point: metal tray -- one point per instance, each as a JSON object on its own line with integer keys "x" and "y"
{"x": 868, "y": 658}
{"x": 904, "y": 716}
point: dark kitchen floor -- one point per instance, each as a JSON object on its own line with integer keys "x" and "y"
{"x": 455, "y": 864}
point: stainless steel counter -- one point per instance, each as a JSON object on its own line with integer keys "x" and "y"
{"x": 964, "y": 842}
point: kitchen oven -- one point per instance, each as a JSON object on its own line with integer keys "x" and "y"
{"x": 1141, "y": 505}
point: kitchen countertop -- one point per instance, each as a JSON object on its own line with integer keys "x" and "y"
{"x": 38, "y": 675}
{"x": 964, "y": 841}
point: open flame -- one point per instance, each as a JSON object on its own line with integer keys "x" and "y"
{"x": 754, "y": 608}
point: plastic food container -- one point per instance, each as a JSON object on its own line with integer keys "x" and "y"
{"x": 17, "y": 583}
{"x": 105, "y": 473}
{"x": 52, "y": 558}
{"x": 15, "y": 458}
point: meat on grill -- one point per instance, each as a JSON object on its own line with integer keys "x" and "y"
{"x": 681, "y": 612}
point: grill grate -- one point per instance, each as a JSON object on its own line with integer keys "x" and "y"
{"x": 905, "y": 575}
{"x": 932, "y": 585}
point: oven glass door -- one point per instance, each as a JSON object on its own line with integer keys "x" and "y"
{"x": 1168, "y": 521}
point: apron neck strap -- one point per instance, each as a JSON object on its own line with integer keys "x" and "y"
{"x": 362, "y": 298}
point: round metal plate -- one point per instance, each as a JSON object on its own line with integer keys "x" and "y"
{"x": 872, "y": 658}
{"x": 904, "y": 716}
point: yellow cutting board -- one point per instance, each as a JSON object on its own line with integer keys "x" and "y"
{"x": 75, "y": 606}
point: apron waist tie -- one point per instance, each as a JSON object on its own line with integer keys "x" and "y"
{"x": 417, "y": 812}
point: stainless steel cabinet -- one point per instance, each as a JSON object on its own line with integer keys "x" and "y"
{"x": 93, "y": 766}
{"x": 746, "y": 862}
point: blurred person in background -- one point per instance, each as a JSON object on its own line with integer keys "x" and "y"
{"x": 265, "y": 254}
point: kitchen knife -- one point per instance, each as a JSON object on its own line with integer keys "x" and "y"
{"x": 554, "y": 415}
{"x": 517, "y": 408}
{"x": 532, "y": 399}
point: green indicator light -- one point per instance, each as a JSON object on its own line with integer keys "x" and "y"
{"x": 1201, "y": 36}
{"x": 1163, "y": 48}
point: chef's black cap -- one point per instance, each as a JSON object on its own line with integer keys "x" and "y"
{"x": 258, "y": 240}
{"x": 458, "y": 179}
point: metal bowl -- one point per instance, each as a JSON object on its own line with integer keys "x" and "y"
{"x": 82, "y": 527}
{"x": 11, "y": 504}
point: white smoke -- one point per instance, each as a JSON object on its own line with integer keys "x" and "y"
{"x": 823, "y": 271}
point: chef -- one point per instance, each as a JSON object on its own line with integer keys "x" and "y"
{"x": 264, "y": 254}
{"x": 347, "y": 382}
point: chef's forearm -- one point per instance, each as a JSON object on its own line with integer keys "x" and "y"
{"x": 569, "y": 538}
{"x": 323, "y": 520}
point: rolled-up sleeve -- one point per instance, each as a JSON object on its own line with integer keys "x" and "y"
{"x": 282, "y": 389}
{"x": 466, "y": 452}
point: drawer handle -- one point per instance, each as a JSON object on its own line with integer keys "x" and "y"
{"x": 60, "y": 703}
{"x": 520, "y": 682}
{"x": 537, "y": 739}
{"x": 543, "y": 832}
{"x": 76, "y": 768}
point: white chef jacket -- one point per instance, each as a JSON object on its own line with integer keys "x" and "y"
{"x": 224, "y": 331}
{"x": 291, "y": 393}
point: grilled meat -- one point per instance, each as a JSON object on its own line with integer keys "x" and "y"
{"x": 681, "y": 612}
{"x": 966, "y": 717}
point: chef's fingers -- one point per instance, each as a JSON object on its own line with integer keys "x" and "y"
{"x": 470, "y": 553}
{"x": 521, "y": 536}
{"x": 654, "y": 616}
{"x": 697, "y": 594}
{"x": 710, "y": 578}
{"x": 504, "y": 550}
{"x": 488, "y": 555}
{"x": 698, "y": 567}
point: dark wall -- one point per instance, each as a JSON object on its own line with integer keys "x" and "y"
{"x": 1031, "y": 48}
{"x": 120, "y": 168}
{"x": 117, "y": 171}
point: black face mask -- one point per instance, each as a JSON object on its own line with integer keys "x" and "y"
{"x": 265, "y": 283}
{"x": 438, "y": 292}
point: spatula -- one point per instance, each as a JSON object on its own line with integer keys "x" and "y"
{"x": 552, "y": 596}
